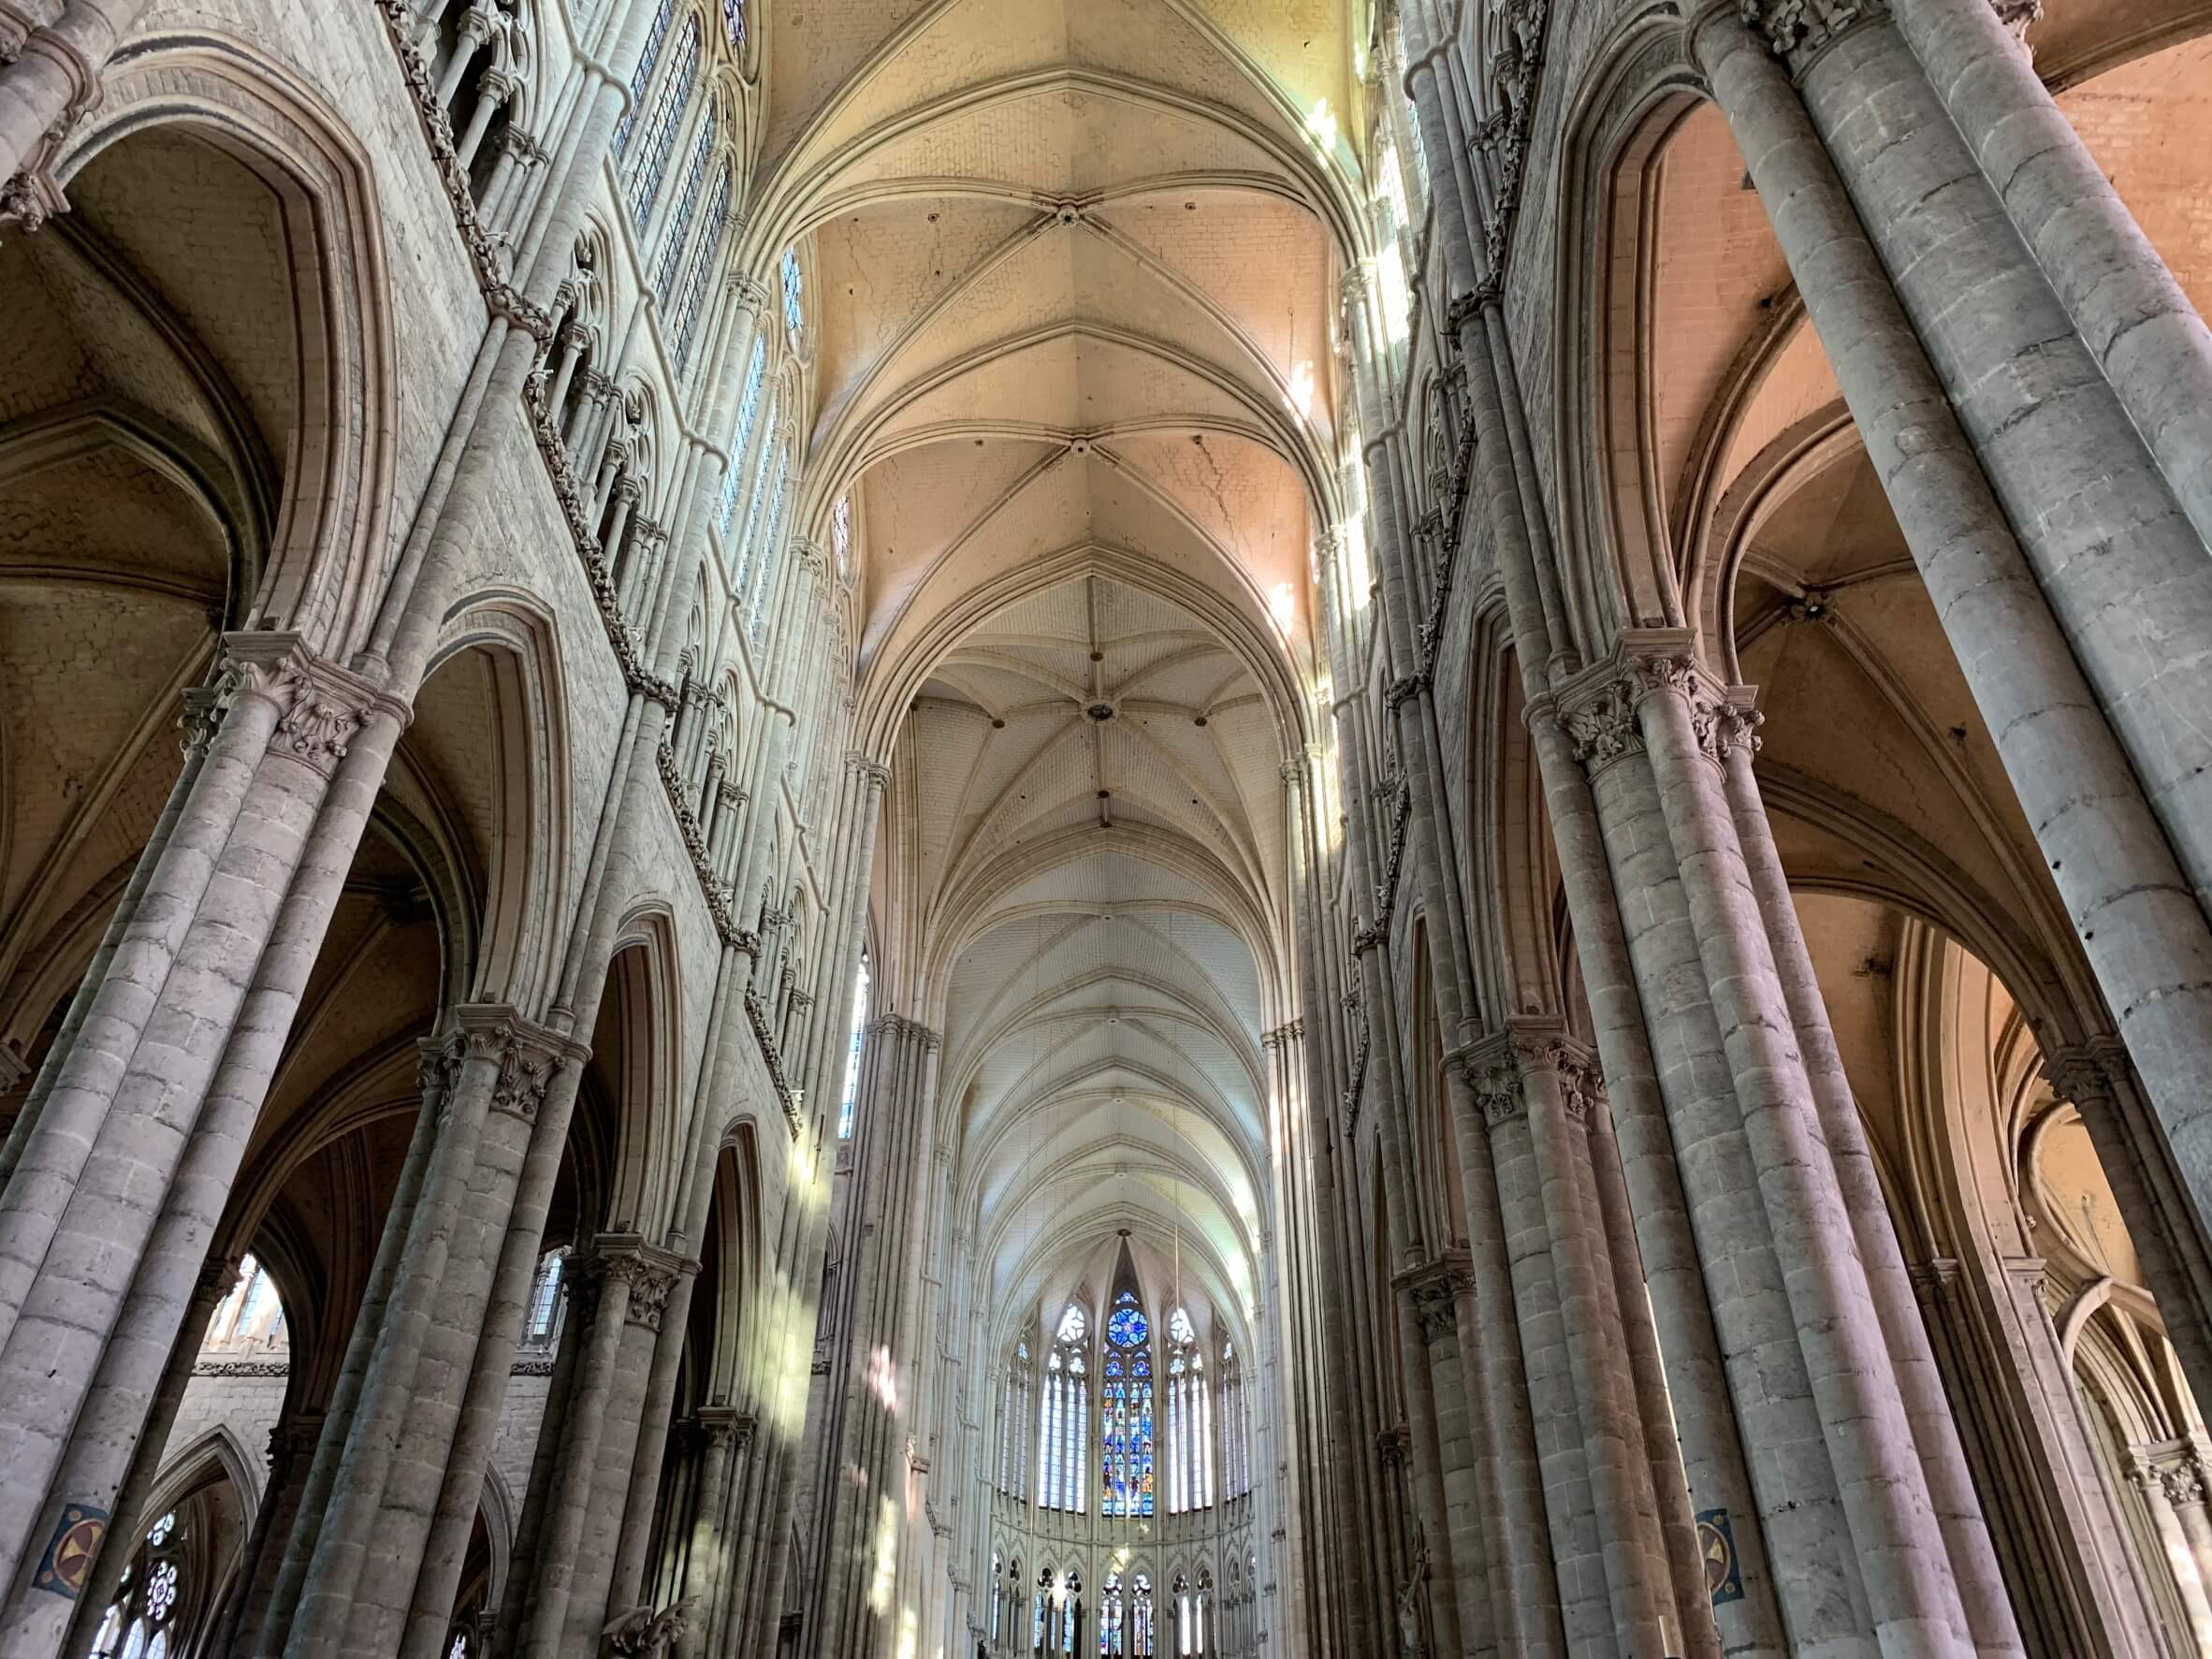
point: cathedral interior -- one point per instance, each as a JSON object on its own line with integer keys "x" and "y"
{"x": 1281, "y": 829}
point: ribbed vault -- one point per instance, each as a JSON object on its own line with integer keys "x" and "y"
{"x": 1075, "y": 269}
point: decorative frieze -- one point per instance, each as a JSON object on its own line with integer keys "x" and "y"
{"x": 487, "y": 252}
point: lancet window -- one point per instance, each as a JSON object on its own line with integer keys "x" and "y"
{"x": 642, "y": 77}
{"x": 748, "y": 407}
{"x": 1235, "y": 1431}
{"x": 1064, "y": 1417}
{"x": 680, "y": 223}
{"x": 657, "y": 136}
{"x": 691, "y": 301}
{"x": 860, "y": 1025}
{"x": 1013, "y": 1423}
{"x": 1190, "y": 1420}
{"x": 1126, "y": 1401}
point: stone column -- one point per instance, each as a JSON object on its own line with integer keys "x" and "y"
{"x": 436, "y": 1475}
{"x": 203, "y": 712}
{"x": 2125, "y": 572}
{"x": 288, "y": 1552}
{"x": 161, "y": 1087}
{"x": 128, "y": 1519}
{"x": 1579, "y": 1564}
{"x": 2141, "y": 924}
{"x": 44, "y": 93}
{"x": 2132, "y": 314}
{"x": 1911, "y": 1592}
{"x": 342, "y": 1543}
{"x": 2180, "y": 1553}
{"x": 654, "y": 1274}
{"x": 1537, "y": 1081}
{"x": 605, "y": 1286}
{"x": 1768, "y": 1480}
{"x": 1950, "y": 1485}
{"x": 291, "y": 1452}
{"x": 542, "y": 1114}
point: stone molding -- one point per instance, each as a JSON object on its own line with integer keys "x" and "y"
{"x": 899, "y": 1027}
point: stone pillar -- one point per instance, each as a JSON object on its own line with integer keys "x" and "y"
{"x": 653, "y": 1275}
{"x": 602, "y": 1310}
{"x": 2172, "y": 1482}
{"x": 1950, "y": 1485}
{"x": 1540, "y": 1321}
{"x": 542, "y": 1115}
{"x": 1536, "y": 1081}
{"x": 202, "y": 716}
{"x": 1768, "y": 1480}
{"x": 2142, "y": 925}
{"x": 1911, "y": 1592}
{"x": 128, "y": 1519}
{"x": 288, "y": 1553}
{"x": 436, "y": 1475}
{"x": 162, "y": 1086}
{"x": 2132, "y": 314}
{"x": 438, "y": 1233}
{"x": 292, "y": 1446}
{"x": 53, "y": 79}
{"x": 2126, "y": 573}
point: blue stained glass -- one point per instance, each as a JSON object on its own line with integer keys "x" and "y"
{"x": 1125, "y": 1325}
{"x": 734, "y": 24}
{"x": 1143, "y": 1365}
{"x": 1113, "y": 1365}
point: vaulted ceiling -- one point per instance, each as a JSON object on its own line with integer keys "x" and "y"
{"x": 1074, "y": 267}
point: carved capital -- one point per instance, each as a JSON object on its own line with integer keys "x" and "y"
{"x": 1433, "y": 1287}
{"x": 320, "y": 707}
{"x": 1599, "y": 719}
{"x": 876, "y": 774}
{"x": 1799, "y": 31}
{"x": 1737, "y": 723}
{"x": 2086, "y": 1073}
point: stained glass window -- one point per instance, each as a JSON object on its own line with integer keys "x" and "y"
{"x": 692, "y": 303}
{"x": 749, "y": 405}
{"x": 661, "y": 124}
{"x": 748, "y": 536}
{"x": 1126, "y": 1429}
{"x": 860, "y": 1020}
{"x": 734, "y": 24}
{"x": 680, "y": 225}
{"x": 1190, "y": 1421}
{"x": 1063, "y": 1421}
{"x": 842, "y": 535}
{"x": 644, "y": 76}
{"x": 1110, "y": 1633}
{"x": 795, "y": 309}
